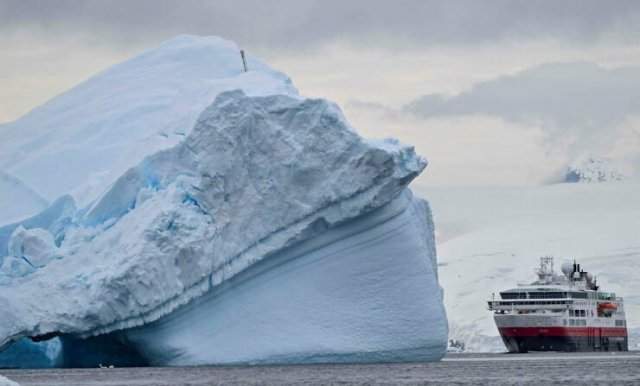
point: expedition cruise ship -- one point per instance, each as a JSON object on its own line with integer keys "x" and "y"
{"x": 560, "y": 313}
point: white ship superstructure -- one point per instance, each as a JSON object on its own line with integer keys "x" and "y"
{"x": 565, "y": 312}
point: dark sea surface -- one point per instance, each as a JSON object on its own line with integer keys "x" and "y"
{"x": 455, "y": 369}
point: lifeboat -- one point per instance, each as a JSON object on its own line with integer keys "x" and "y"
{"x": 607, "y": 308}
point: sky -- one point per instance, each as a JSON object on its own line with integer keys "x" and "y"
{"x": 491, "y": 92}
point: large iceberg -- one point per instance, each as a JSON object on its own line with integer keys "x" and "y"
{"x": 271, "y": 233}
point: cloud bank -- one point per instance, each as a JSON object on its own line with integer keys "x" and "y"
{"x": 299, "y": 24}
{"x": 580, "y": 104}
{"x": 581, "y": 96}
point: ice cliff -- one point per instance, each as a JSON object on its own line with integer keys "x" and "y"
{"x": 270, "y": 232}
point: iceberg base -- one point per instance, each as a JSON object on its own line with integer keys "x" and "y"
{"x": 364, "y": 291}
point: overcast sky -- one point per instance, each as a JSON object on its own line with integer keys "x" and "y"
{"x": 495, "y": 92}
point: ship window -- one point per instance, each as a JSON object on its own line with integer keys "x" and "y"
{"x": 572, "y": 322}
{"x": 579, "y": 295}
{"x": 545, "y": 295}
{"x": 606, "y": 296}
{"x": 513, "y": 295}
{"x": 565, "y": 321}
{"x": 570, "y": 312}
{"x": 619, "y": 323}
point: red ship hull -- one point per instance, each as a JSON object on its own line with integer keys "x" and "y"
{"x": 523, "y": 339}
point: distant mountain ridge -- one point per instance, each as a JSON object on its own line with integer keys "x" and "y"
{"x": 593, "y": 170}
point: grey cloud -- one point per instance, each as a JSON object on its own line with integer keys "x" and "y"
{"x": 294, "y": 24}
{"x": 556, "y": 95}
{"x": 581, "y": 107}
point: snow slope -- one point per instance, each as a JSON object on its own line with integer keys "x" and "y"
{"x": 79, "y": 142}
{"x": 255, "y": 179}
{"x": 490, "y": 239}
{"x": 17, "y": 200}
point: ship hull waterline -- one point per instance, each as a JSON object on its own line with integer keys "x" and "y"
{"x": 585, "y": 339}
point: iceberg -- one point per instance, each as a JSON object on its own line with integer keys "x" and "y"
{"x": 270, "y": 233}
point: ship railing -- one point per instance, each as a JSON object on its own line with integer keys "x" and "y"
{"x": 516, "y": 304}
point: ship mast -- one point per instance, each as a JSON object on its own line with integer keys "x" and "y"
{"x": 545, "y": 271}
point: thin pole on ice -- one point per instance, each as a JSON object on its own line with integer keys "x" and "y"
{"x": 244, "y": 60}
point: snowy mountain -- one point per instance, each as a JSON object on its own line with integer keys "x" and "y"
{"x": 490, "y": 239}
{"x": 270, "y": 231}
{"x": 17, "y": 200}
{"x": 593, "y": 170}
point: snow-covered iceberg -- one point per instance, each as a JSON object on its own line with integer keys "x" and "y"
{"x": 81, "y": 141}
{"x": 271, "y": 233}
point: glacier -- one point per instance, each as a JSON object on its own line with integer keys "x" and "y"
{"x": 260, "y": 229}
